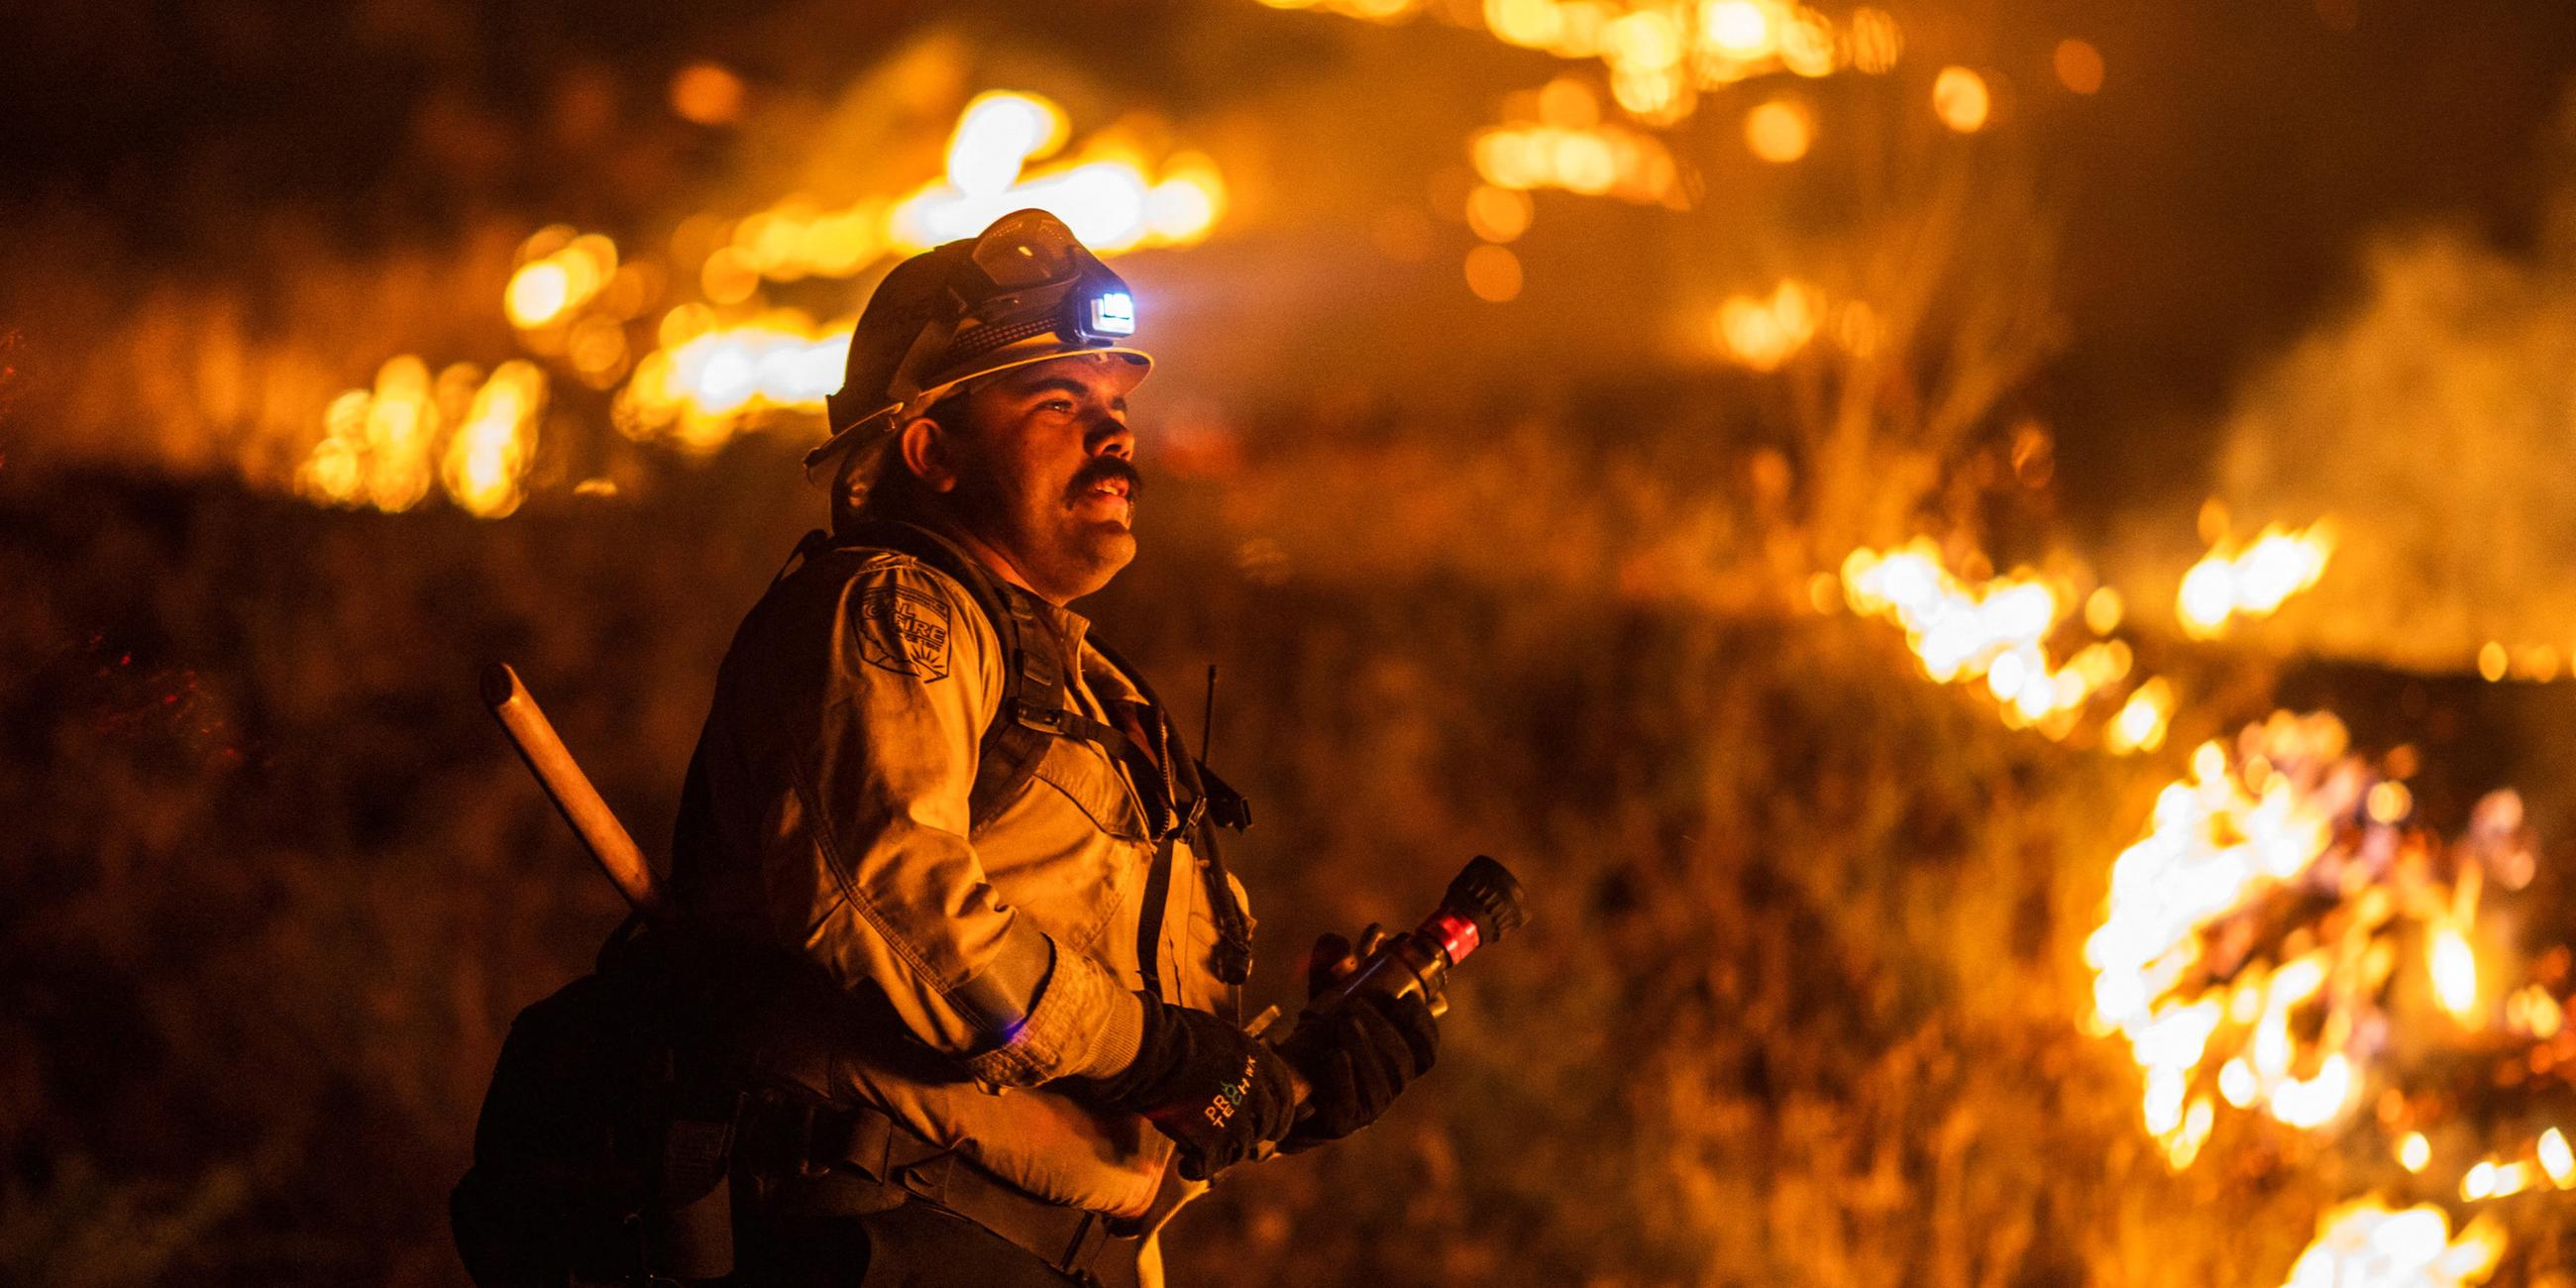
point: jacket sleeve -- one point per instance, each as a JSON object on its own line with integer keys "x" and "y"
{"x": 898, "y": 897}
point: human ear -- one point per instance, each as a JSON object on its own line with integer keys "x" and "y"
{"x": 925, "y": 448}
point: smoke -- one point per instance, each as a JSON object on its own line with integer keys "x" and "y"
{"x": 2434, "y": 420}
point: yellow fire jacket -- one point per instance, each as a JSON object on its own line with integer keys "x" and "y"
{"x": 983, "y": 958}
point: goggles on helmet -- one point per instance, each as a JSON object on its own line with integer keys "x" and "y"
{"x": 1031, "y": 286}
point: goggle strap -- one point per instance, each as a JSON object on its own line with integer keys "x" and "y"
{"x": 928, "y": 348}
{"x": 985, "y": 339}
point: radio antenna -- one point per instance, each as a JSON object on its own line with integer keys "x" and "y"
{"x": 1207, "y": 718}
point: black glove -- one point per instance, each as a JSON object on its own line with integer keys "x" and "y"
{"x": 1206, "y": 1084}
{"x": 1357, "y": 1057}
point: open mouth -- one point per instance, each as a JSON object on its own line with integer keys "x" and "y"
{"x": 1106, "y": 480}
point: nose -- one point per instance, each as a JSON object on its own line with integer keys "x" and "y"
{"x": 1109, "y": 436}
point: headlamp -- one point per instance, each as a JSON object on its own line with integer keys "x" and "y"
{"x": 1032, "y": 287}
{"x": 1113, "y": 313}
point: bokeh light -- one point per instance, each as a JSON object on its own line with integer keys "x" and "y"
{"x": 1498, "y": 214}
{"x": 1494, "y": 274}
{"x": 708, "y": 94}
{"x": 1779, "y": 131}
{"x": 1962, "y": 101}
{"x": 2078, "y": 66}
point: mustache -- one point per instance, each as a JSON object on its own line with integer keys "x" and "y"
{"x": 1100, "y": 470}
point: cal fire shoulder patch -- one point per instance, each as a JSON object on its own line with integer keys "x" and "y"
{"x": 905, "y": 630}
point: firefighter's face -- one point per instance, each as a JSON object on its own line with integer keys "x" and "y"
{"x": 1043, "y": 475}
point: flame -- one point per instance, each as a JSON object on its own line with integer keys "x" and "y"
{"x": 2533, "y": 1013}
{"x": 1594, "y": 160}
{"x": 2219, "y": 838}
{"x": 724, "y": 363}
{"x": 559, "y": 271}
{"x": 1763, "y": 333}
{"x": 2253, "y": 582}
{"x": 2455, "y": 970}
{"x": 383, "y": 447}
{"x": 2366, "y": 1244}
{"x": 1998, "y": 630}
{"x": 2556, "y": 1159}
{"x": 2196, "y": 966}
{"x": 2414, "y": 1152}
{"x": 1662, "y": 57}
{"x": 1106, "y": 195}
{"x": 487, "y": 457}
{"x": 707, "y": 377}
{"x": 2143, "y": 719}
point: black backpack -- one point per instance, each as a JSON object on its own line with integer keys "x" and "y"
{"x": 604, "y": 1143}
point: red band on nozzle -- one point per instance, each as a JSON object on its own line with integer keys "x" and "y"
{"x": 1455, "y": 933}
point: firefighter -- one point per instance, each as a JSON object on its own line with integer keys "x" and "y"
{"x": 980, "y": 837}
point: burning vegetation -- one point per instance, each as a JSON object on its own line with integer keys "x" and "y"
{"x": 2073, "y": 965}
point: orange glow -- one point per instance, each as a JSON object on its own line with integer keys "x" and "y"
{"x": 2143, "y": 719}
{"x": 1494, "y": 274}
{"x": 2532, "y": 1012}
{"x": 1762, "y": 333}
{"x": 2389, "y": 803}
{"x": 559, "y": 271}
{"x": 1877, "y": 41}
{"x": 1606, "y": 161}
{"x": 2103, "y": 610}
{"x": 1740, "y": 29}
{"x": 1567, "y": 104}
{"x": 1660, "y": 58}
{"x": 707, "y": 94}
{"x": 2288, "y": 813}
{"x": 382, "y": 448}
{"x": 1498, "y": 214}
{"x": 2078, "y": 66}
{"x": 1961, "y": 100}
{"x": 1807, "y": 43}
{"x": 2492, "y": 661}
{"x": 1371, "y": 10}
{"x": 1645, "y": 40}
{"x": 2215, "y": 842}
{"x": 1779, "y": 131}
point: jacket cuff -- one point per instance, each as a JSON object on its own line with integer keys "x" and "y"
{"x": 1083, "y": 1022}
{"x": 1121, "y": 1035}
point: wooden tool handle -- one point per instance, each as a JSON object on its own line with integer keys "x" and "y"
{"x": 570, "y": 789}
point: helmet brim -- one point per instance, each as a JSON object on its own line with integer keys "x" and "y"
{"x": 824, "y": 462}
